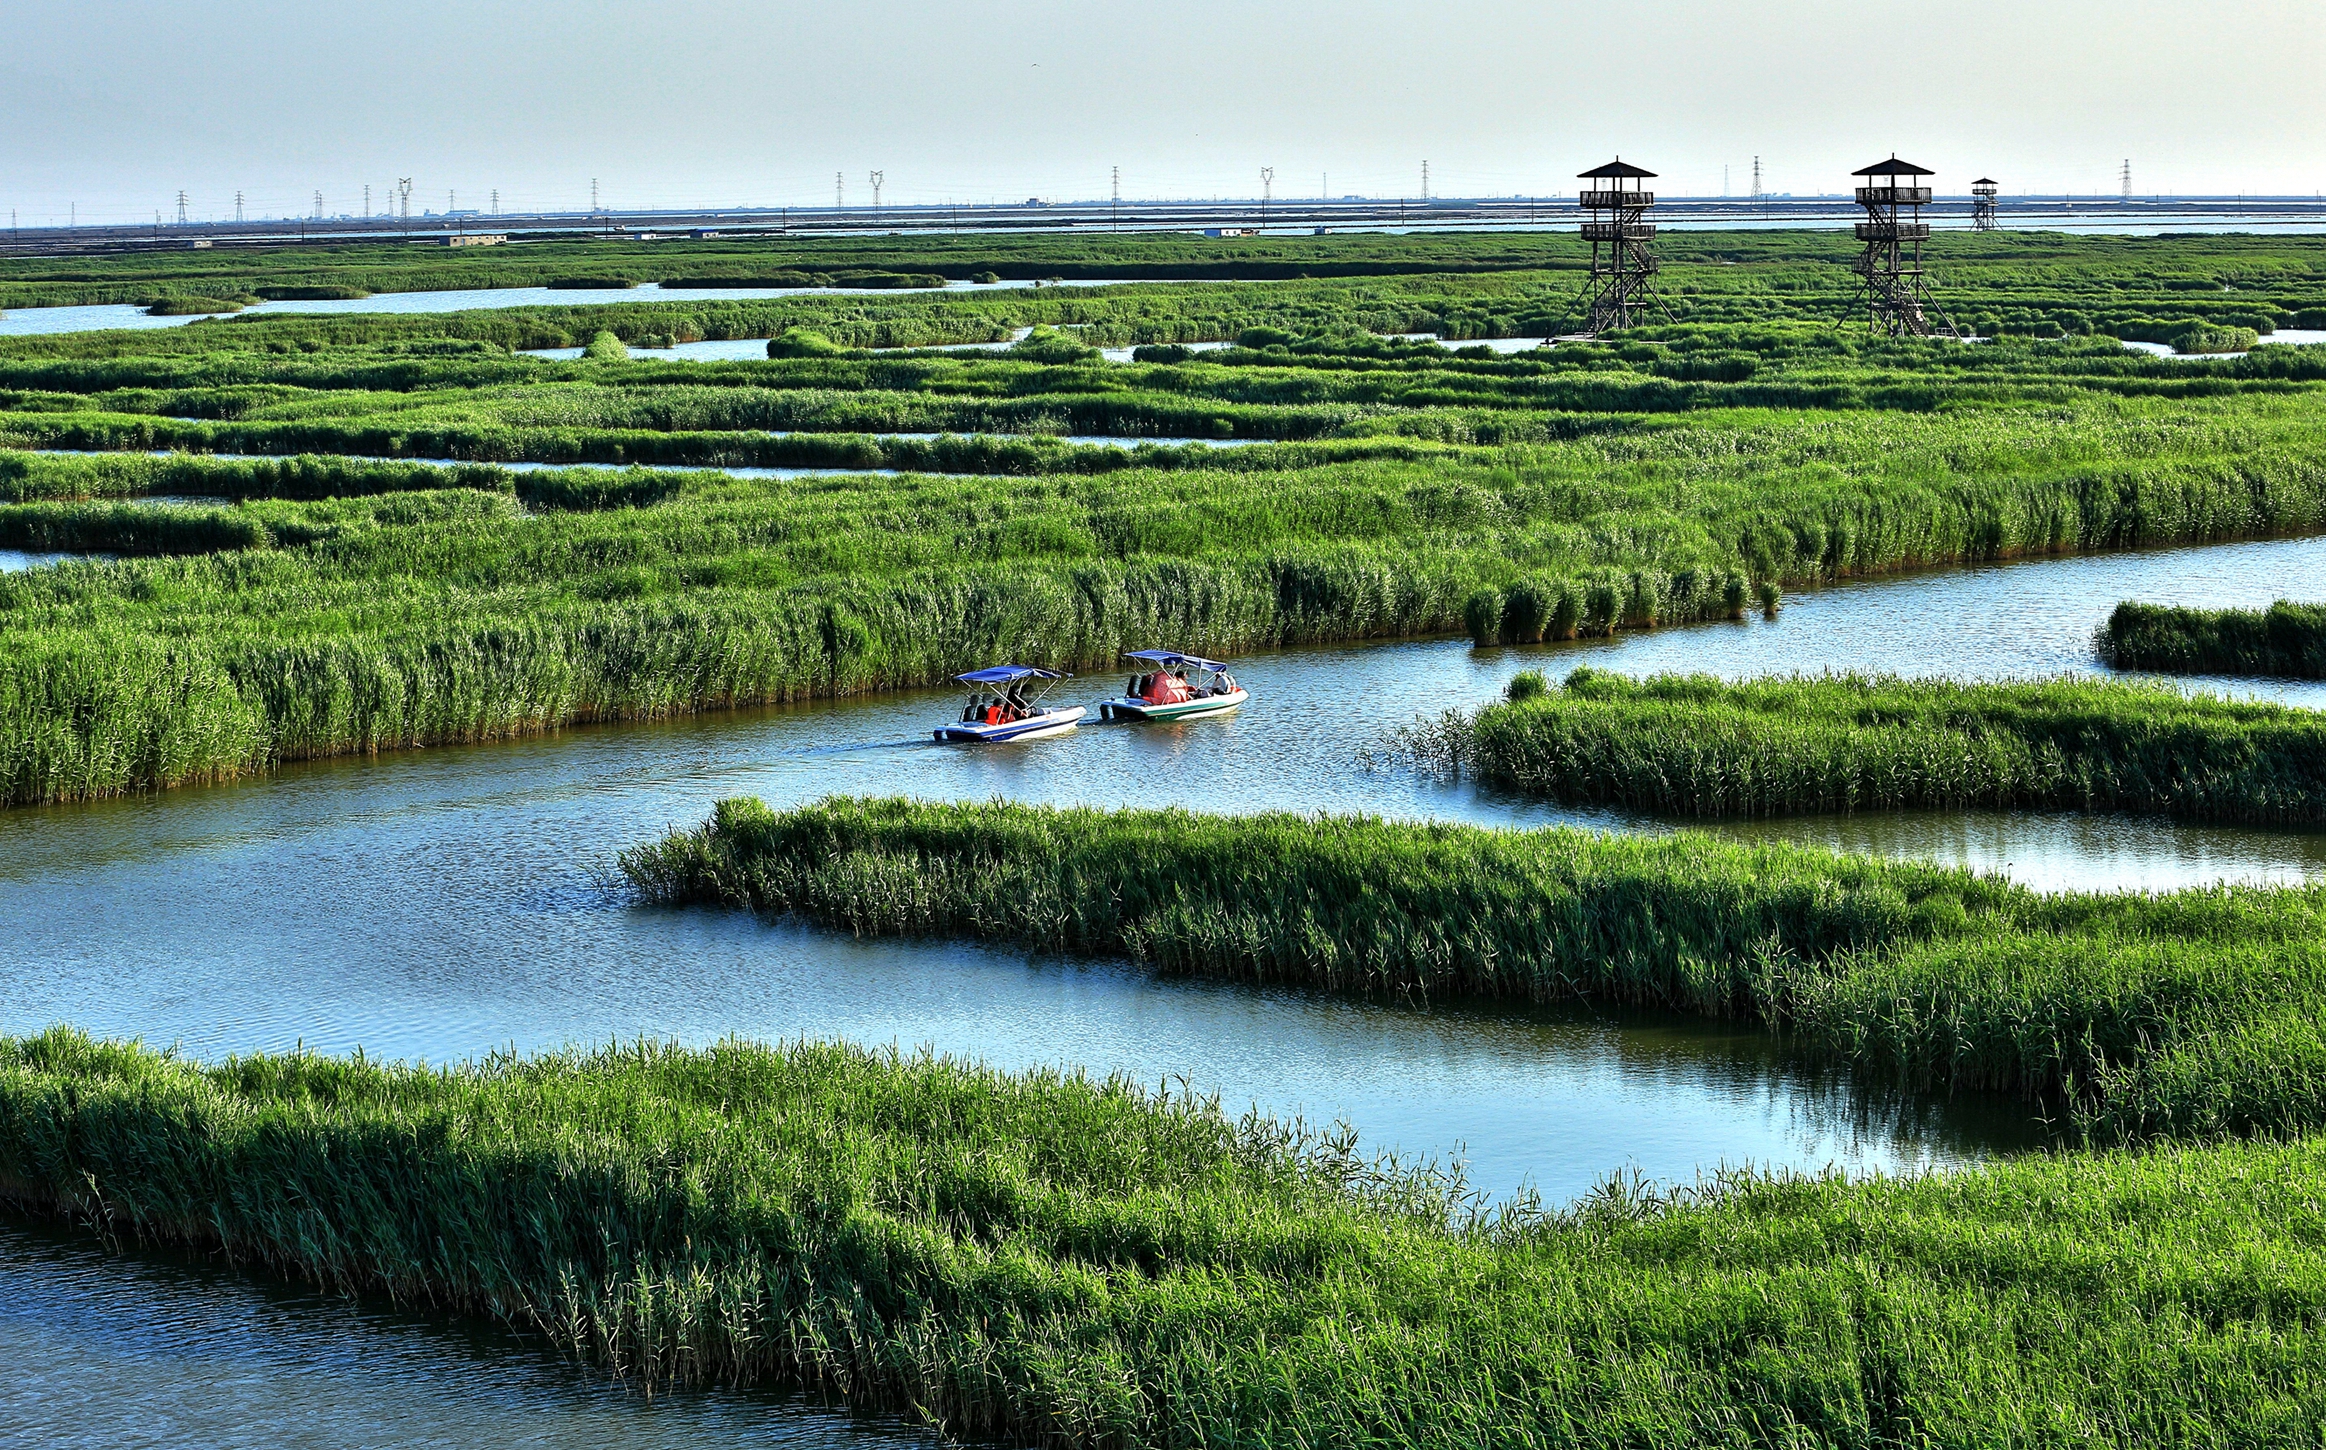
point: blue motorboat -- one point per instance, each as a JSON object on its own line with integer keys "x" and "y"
{"x": 1005, "y": 704}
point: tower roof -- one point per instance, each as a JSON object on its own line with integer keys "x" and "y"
{"x": 1893, "y": 167}
{"x": 1616, "y": 168}
{"x": 1986, "y": 181}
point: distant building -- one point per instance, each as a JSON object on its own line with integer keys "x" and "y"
{"x": 1231, "y": 231}
{"x": 475, "y": 239}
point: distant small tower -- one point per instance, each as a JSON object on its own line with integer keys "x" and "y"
{"x": 1896, "y": 297}
{"x": 1622, "y": 285}
{"x": 1983, "y": 193}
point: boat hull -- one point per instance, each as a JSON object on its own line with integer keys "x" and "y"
{"x": 1134, "y": 709}
{"x": 1033, "y": 727}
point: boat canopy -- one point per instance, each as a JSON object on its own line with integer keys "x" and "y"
{"x": 1172, "y": 659}
{"x": 1007, "y": 675}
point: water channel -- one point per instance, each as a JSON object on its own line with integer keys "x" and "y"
{"x": 38, "y": 321}
{"x": 441, "y": 904}
{"x": 117, "y": 1350}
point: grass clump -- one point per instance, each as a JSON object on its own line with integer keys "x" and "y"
{"x": 1693, "y": 745}
{"x": 2201, "y": 337}
{"x": 1051, "y": 1259}
{"x": 798, "y": 342}
{"x": 2131, "y": 1017}
{"x": 2287, "y": 639}
{"x": 191, "y": 306}
{"x": 606, "y": 347}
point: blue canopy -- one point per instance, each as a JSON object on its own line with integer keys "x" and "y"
{"x": 1007, "y": 675}
{"x": 1172, "y": 659}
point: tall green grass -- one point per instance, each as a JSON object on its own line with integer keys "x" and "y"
{"x": 1478, "y": 285}
{"x": 2135, "y": 1017}
{"x": 1055, "y": 1260}
{"x": 26, "y": 477}
{"x": 1697, "y": 746}
{"x": 2286, "y": 639}
{"x": 721, "y": 592}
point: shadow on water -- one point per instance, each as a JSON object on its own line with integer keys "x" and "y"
{"x": 163, "y": 1348}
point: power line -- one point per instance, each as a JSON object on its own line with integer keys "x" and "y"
{"x": 876, "y": 177}
{"x": 1267, "y": 186}
{"x": 839, "y": 190}
{"x": 181, "y": 206}
{"x": 238, "y": 208}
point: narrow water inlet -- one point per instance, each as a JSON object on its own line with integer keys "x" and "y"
{"x": 108, "y": 1343}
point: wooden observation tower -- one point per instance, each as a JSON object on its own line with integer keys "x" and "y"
{"x": 1983, "y": 192}
{"x": 1623, "y": 270}
{"x": 1895, "y": 293}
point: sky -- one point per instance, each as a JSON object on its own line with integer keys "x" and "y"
{"x": 113, "y": 107}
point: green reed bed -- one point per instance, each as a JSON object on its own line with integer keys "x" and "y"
{"x": 2287, "y": 639}
{"x": 1476, "y": 285}
{"x": 1061, "y": 1261}
{"x": 715, "y": 591}
{"x": 2132, "y": 1016}
{"x": 30, "y": 477}
{"x": 1281, "y": 384}
{"x": 1693, "y": 745}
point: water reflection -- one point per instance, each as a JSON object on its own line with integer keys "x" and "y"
{"x": 13, "y": 561}
{"x": 38, "y": 321}
{"x": 164, "y": 1349}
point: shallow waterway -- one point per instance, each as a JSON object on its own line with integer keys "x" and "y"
{"x": 442, "y": 904}
{"x": 40, "y": 321}
{"x": 166, "y": 1350}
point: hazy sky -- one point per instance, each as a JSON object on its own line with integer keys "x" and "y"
{"x": 114, "y": 106}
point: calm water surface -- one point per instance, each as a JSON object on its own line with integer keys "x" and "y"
{"x": 35, "y": 321}
{"x": 438, "y": 905}
{"x": 110, "y": 1351}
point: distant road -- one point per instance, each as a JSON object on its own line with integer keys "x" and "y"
{"x": 1280, "y": 218}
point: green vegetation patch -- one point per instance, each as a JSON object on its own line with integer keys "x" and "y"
{"x": 1057, "y": 1260}
{"x": 642, "y": 595}
{"x": 2287, "y": 639}
{"x": 1696, "y": 746}
{"x": 191, "y": 306}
